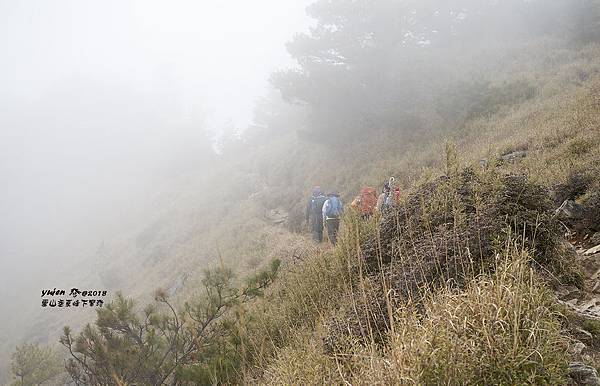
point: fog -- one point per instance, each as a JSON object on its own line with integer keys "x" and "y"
{"x": 103, "y": 104}
{"x": 101, "y": 101}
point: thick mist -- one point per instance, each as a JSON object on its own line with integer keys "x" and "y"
{"x": 101, "y": 104}
{"x": 112, "y": 111}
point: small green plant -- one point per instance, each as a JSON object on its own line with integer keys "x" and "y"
{"x": 33, "y": 364}
{"x": 163, "y": 344}
{"x": 593, "y": 326}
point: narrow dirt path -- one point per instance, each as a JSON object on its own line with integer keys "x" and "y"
{"x": 584, "y": 326}
{"x": 586, "y": 301}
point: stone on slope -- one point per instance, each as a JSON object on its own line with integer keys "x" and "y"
{"x": 513, "y": 156}
{"x": 592, "y": 251}
{"x": 277, "y": 216}
{"x": 583, "y": 374}
{"x": 570, "y": 210}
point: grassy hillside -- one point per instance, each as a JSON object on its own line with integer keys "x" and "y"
{"x": 488, "y": 328}
{"x": 225, "y": 212}
{"x": 454, "y": 287}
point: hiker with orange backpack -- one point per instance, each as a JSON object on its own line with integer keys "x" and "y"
{"x": 365, "y": 202}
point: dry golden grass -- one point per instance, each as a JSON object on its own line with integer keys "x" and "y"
{"x": 502, "y": 329}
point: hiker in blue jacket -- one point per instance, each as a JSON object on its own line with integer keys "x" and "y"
{"x": 314, "y": 215}
{"x": 332, "y": 212}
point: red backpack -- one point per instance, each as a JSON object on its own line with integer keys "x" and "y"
{"x": 368, "y": 200}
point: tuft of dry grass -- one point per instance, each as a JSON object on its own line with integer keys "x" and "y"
{"x": 503, "y": 329}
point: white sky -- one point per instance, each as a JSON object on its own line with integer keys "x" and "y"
{"x": 94, "y": 92}
{"x": 217, "y": 54}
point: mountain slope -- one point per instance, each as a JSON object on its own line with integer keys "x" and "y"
{"x": 350, "y": 314}
{"x": 329, "y": 316}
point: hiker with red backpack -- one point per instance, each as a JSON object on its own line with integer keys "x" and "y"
{"x": 332, "y": 213}
{"x": 314, "y": 216}
{"x": 366, "y": 202}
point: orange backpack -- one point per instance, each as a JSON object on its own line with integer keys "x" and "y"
{"x": 368, "y": 200}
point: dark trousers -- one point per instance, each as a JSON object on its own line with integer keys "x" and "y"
{"x": 333, "y": 224}
{"x": 317, "y": 229}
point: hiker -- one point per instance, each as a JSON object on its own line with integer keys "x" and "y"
{"x": 365, "y": 202}
{"x": 389, "y": 197}
{"x": 383, "y": 199}
{"x": 314, "y": 215}
{"x": 332, "y": 212}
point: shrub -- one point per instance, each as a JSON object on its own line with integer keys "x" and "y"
{"x": 503, "y": 329}
{"x": 33, "y": 364}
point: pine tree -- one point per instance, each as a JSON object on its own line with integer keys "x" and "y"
{"x": 162, "y": 344}
{"x": 33, "y": 364}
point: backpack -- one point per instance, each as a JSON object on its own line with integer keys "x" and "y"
{"x": 316, "y": 205}
{"x": 334, "y": 210}
{"x": 368, "y": 200}
{"x": 396, "y": 194}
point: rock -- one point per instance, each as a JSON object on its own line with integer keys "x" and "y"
{"x": 584, "y": 335}
{"x": 588, "y": 222}
{"x": 592, "y": 251}
{"x": 589, "y": 307}
{"x": 592, "y": 205}
{"x": 513, "y": 156}
{"x": 577, "y": 348}
{"x": 590, "y": 265}
{"x": 484, "y": 163}
{"x": 567, "y": 293}
{"x": 277, "y": 216}
{"x": 570, "y": 210}
{"x": 576, "y": 185}
{"x": 583, "y": 374}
